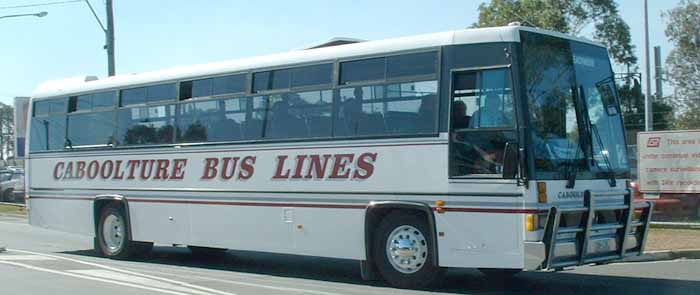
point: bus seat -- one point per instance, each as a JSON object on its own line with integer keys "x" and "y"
{"x": 319, "y": 126}
{"x": 224, "y": 130}
{"x": 253, "y": 129}
{"x": 401, "y": 122}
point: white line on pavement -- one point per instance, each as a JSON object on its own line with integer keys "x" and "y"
{"x": 5, "y": 257}
{"x": 112, "y": 275}
{"x": 35, "y": 268}
{"x": 174, "y": 282}
{"x": 303, "y": 291}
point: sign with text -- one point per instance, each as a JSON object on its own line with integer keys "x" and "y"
{"x": 669, "y": 161}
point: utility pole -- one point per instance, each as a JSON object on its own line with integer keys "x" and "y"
{"x": 110, "y": 39}
{"x": 109, "y": 34}
{"x": 648, "y": 119}
{"x": 658, "y": 73}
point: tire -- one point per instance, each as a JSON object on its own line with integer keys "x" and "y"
{"x": 411, "y": 268}
{"x": 116, "y": 244}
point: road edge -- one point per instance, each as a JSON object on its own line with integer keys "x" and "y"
{"x": 665, "y": 255}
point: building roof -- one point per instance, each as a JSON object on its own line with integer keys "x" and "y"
{"x": 316, "y": 53}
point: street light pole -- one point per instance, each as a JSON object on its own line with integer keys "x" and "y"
{"x": 648, "y": 119}
{"x": 109, "y": 34}
{"x": 40, "y": 14}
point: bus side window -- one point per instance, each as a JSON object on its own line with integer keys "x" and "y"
{"x": 482, "y": 122}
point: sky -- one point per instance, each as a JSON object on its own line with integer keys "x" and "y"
{"x": 152, "y": 35}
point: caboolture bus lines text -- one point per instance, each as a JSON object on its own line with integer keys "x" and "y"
{"x": 309, "y": 167}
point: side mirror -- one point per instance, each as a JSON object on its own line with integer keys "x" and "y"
{"x": 510, "y": 161}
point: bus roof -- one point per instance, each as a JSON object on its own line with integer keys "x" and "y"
{"x": 465, "y": 36}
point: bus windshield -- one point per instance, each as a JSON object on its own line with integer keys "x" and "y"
{"x": 576, "y": 126}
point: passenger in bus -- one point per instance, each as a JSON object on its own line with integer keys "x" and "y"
{"x": 283, "y": 123}
{"x": 491, "y": 114}
{"x": 460, "y": 120}
{"x": 352, "y": 112}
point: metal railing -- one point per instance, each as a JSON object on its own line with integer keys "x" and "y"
{"x": 583, "y": 235}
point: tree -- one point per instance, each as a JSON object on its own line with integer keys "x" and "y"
{"x": 683, "y": 62}
{"x": 566, "y": 16}
{"x": 6, "y": 130}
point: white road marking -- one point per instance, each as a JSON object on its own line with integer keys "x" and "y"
{"x": 7, "y": 257}
{"x": 174, "y": 282}
{"x": 303, "y": 291}
{"x": 112, "y": 275}
{"x": 35, "y": 268}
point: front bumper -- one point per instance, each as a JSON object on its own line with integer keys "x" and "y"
{"x": 587, "y": 239}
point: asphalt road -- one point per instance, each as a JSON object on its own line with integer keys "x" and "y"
{"x": 40, "y": 261}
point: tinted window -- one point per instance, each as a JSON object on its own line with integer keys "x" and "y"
{"x": 48, "y": 133}
{"x": 96, "y": 100}
{"x": 415, "y": 64}
{"x": 90, "y": 128}
{"x": 403, "y": 108}
{"x": 201, "y": 88}
{"x": 134, "y": 96}
{"x": 228, "y": 84}
{"x": 216, "y": 120}
{"x": 160, "y": 92}
{"x": 278, "y": 79}
{"x": 83, "y": 102}
{"x": 362, "y": 70}
{"x": 41, "y": 108}
{"x": 59, "y": 105}
{"x": 299, "y": 115}
{"x": 146, "y": 125}
{"x": 312, "y": 75}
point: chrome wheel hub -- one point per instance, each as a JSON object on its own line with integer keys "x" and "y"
{"x": 407, "y": 249}
{"x": 113, "y": 233}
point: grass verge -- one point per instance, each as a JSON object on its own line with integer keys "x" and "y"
{"x": 9, "y": 209}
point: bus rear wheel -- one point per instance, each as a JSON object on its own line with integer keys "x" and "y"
{"x": 403, "y": 251}
{"x": 113, "y": 236}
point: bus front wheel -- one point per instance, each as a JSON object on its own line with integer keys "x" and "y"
{"x": 403, "y": 251}
{"x": 113, "y": 235}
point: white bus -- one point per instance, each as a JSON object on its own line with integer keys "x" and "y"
{"x": 497, "y": 148}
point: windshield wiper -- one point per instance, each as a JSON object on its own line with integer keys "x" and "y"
{"x": 604, "y": 154}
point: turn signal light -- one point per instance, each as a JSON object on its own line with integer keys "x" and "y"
{"x": 542, "y": 192}
{"x": 530, "y": 222}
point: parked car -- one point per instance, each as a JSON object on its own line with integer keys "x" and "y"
{"x": 19, "y": 190}
{"x": 9, "y": 176}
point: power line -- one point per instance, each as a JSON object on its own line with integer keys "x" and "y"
{"x": 40, "y": 4}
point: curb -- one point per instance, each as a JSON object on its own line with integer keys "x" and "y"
{"x": 13, "y": 204}
{"x": 675, "y": 225}
{"x": 665, "y": 255}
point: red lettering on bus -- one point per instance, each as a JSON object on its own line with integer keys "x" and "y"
{"x": 340, "y": 166}
{"x": 247, "y": 168}
{"x": 118, "y": 172}
{"x": 144, "y": 164}
{"x": 210, "y": 170}
{"x": 229, "y": 167}
{"x": 133, "y": 164}
{"x": 178, "y": 169}
{"x": 317, "y": 169}
{"x": 56, "y": 169}
{"x": 162, "y": 169}
{"x": 299, "y": 166}
{"x": 80, "y": 170}
{"x": 104, "y": 172}
{"x": 93, "y": 169}
{"x": 365, "y": 162}
{"x": 281, "y": 173}
{"x": 68, "y": 173}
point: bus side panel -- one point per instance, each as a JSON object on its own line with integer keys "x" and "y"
{"x": 159, "y": 222}
{"x": 326, "y": 232}
{"x": 73, "y": 216}
{"x": 251, "y": 228}
{"x": 489, "y": 240}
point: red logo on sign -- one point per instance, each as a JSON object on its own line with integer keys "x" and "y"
{"x": 654, "y": 142}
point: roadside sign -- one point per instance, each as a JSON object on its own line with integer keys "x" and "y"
{"x": 669, "y": 161}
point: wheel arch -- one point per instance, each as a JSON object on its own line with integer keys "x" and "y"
{"x": 101, "y": 201}
{"x": 374, "y": 213}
